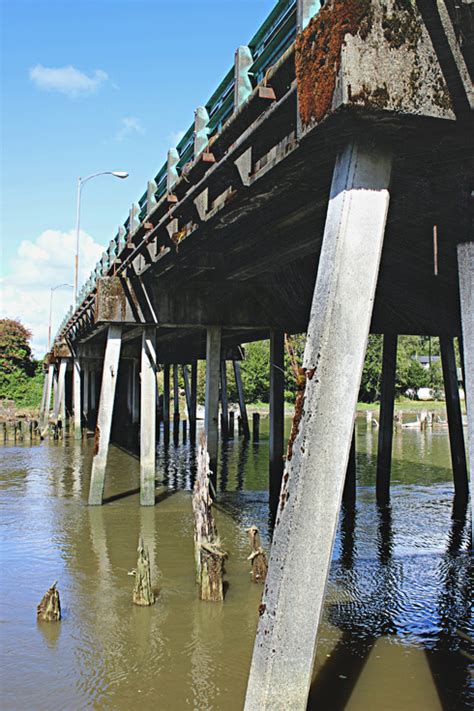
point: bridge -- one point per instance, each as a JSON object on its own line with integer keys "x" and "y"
{"x": 323, "y": 188}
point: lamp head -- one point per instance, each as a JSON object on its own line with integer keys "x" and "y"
{"x": 120, "y": 174}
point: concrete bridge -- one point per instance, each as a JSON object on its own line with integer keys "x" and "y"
{"x": 324, "y": 187}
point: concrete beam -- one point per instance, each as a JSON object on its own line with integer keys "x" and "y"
{"x": 211, "y": 422}
{"x": 290, "y": 612}
{"x": 148, "y": 417}
{"x": 466, "y": 293}
{"x": 105, "y": 414}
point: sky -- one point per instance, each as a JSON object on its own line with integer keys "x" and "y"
{"x": 90, "y": 86}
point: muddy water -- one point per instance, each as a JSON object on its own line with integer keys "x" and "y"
{"x": 399, "y": 587}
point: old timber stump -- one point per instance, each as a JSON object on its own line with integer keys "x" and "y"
{"x": 257, "y": 556}
{"x": 209, "y": 556}
{"x": 142, "y": 592}
{"x": 49, "y": 609}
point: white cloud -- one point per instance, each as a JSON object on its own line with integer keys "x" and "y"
{"x": 128, "y": 126}
{"x": 37, "y": 266}
{"x": 67, "y": 80}
{"x": 175, "y": 137}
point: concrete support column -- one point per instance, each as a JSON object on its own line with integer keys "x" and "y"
{"x": 224, "y": 402}
{"x": 76, "y": 394}
{"x": 192, "y": 424}
{"x": 387, "y": 401}
{"x": 47, "y": 401}
{"x": 213, "y": 360}
{"x": 60, "y": 395}
{"x": 135, "y": 393}
{"x": 175, "y": 404}
{"x": 55, "y": 391}
{"x": 93, "y": 391}
{"x": 242, "y": 407}
{"x": 85, "y": 395}
{"x": 466, "y": 294}
{"x": 148, "y": 417}
{"x": 166, "y": 401}
{"x": 303, "y": 540}
{"x": 104, "y": 418}
{"x": 277, "y": 419}
{"x": 453, "y": 408}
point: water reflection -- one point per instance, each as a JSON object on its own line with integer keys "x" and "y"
{"x": 399, "y": 588}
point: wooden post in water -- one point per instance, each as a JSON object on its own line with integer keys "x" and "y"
{"x": 104, "y": 419}
{"x": 240, "y": 392}
{"x": 209, "y": 556}
{"x": 387, "y": 401}
{"x": 256, "y": 426}
{"x": 49, "y": 609}
{"x": 466, "y": 295}
{"x": 142, "y": 592}
{"x": 290, "y": 612}
{"x": 257, "y": 556}
{"x": 453, "y": 408}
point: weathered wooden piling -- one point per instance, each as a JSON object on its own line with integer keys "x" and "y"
{"x": 209, "y": 556}
{"x": 213, "y": 359}
{"x": 142, "y": 592}
{"x": 256, "y": 426}
{"x": 49, "y": 609}
{"x": 387, "y": 401}
{"x": 257, "y": 556}
{"x": 453, "y": 408}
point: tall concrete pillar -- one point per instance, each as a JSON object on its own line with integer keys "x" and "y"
{"x": 277, "y": 418}
{"x": 453, "y": 408}
{"x": 85, "y": 395}
{"x": 387, "y": 401}
{"x": 104, "y": 417}
{"x": 213, "y": 359}
{"x": 241, "y": 395}
{"x": 60, "y": 395}
{"x": 303, "y": 540}
{"x": 76, "y": 394}
{"x": 93, "y": 378}
{"x": 47, "y": 401}
{"x": 166, "y": 401}
{"x": 135, "y": 393}
{"x": 224, "y": 401}
{"x": 148, "y": 417}
{"x": 466, "y": 293}
{"x": 55, "y": 390}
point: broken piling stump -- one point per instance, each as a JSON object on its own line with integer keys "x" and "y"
{"x": 49, "y": 609}
{"x": 142, "y": 592}
{"x": 257, "y": 556}
{"x": 209, "y": 556}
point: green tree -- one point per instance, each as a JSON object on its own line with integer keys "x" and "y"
{"x": 21, "y": 377}
{"x": 372, "y": 372}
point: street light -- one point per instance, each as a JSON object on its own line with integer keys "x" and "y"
{"x": 52, "y": 290}
{"x": 80, "y": 182}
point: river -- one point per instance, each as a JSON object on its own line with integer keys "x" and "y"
{"x": 399, "y": 587}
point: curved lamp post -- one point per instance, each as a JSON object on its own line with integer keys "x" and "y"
{"x": 80, "y": 183}
{"x": 52, "y": 290}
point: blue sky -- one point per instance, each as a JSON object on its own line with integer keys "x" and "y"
{"x": 91, "y": 85}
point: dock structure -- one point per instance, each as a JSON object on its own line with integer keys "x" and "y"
{"x": 323, "y": 188}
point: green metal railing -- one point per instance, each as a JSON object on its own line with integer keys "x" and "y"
{"x": 271, "y": 40}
